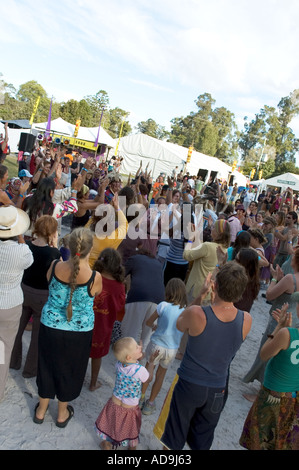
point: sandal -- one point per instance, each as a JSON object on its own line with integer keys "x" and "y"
{"x": 71, "y": 414}
{"x": 35, "y": 419}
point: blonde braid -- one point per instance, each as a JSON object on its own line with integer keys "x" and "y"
{"x": 74, "y": 274}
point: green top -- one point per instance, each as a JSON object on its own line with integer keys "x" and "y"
{"x": 282, "y": 370}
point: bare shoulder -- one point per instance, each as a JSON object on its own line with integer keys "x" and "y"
{"x": 194, "y": 319}
{"x": 97, "y": 285}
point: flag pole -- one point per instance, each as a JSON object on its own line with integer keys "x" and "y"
{"x": 34, "y": 112}
{"x": 48, "y": 128}
{"x": 96, "y": 143}
{"x": 120, "y": 133}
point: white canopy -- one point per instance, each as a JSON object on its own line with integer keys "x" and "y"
{"x": 61, "y": 127}
{"x": 163, "y": 157}
{"x": 284, "y": 181}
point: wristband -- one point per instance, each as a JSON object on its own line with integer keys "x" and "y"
{"x": 273, "y": 280}
{"x": 84, "y": 169}
{"x": 190, "y": 241}
{"x": 290, "y": 242}
{"x": 21, "y": 195}
{"x": 74, "y": 191}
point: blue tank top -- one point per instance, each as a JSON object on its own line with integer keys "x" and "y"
{"x": 54, "y": 313}
{"x": 208, "y": 355}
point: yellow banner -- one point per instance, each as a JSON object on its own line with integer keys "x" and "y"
{"x": 74, "y": 142}
{"x": 34, "y": 110}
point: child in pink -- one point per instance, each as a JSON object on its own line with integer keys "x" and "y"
{"x": 119, "y": 422}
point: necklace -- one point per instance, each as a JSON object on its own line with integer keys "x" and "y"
{"x": 224, "y": 308}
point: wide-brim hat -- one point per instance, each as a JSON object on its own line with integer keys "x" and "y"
{"x": 13, "y": 221}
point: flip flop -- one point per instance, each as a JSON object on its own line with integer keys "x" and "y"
{"x": 35, "y": 419}
{"x": 71, "y": 414}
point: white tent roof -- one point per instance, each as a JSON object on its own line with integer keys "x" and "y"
{"x": 61, "y": 127}
{"x": 163, "y": 157}
{"x": 283, "y": 181}
{"x": 136, "y": 147}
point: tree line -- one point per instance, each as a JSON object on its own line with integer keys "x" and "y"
{"x": 266, "y": 143}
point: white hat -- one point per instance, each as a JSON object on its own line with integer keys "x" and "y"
{"x": 13, "y": 221}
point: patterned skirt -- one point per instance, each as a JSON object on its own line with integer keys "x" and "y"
{"x": 272, "y": 422}
{"x": 118, "y": 425}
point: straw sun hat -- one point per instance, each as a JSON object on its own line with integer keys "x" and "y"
{"x": 13, "y": 221}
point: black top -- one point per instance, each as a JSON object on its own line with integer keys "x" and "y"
{"x": 36, "y": 275}
{"x": 146, "y": 279}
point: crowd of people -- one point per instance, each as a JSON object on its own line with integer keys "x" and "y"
{"x": 155, "y": 270}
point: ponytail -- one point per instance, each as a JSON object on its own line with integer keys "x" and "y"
{"x": 80, "y": 243}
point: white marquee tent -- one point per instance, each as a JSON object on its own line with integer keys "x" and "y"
{"x": 284, "y": 181}
{"x": 163, "y": 157}
{"x": 61, "y": 127}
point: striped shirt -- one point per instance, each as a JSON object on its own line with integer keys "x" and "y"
{"x": 176, "y": 250}
{"x": 14, "y": 259}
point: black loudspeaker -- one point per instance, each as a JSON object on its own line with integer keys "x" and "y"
{"x": 213, "y": 175}
{"x": 27, "y": 142}
{"x": 231, "y": 180}
{"x": 202, "y": 174}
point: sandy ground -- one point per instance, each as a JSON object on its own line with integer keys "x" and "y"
{"x": 18, "y": 432}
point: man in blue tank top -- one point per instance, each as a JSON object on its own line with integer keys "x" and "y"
{"x": 215, "y": 333}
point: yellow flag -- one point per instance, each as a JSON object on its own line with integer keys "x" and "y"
{"x": 121, "y": 129}
{"x": 34, "y": 110}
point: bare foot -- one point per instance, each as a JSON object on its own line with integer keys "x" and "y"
{"x": 105, "y": 445}
{"x": 250, "y": 397}
{"x": 92, "y": 388}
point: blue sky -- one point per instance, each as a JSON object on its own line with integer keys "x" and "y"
{"x": 155, "y": 57}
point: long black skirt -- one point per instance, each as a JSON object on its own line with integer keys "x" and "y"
{"x": 62, "y": 362}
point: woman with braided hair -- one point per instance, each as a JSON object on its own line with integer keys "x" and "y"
{"x": 66, "y": 328}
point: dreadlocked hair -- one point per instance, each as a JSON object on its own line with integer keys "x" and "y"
{"x": 80, "y": 244}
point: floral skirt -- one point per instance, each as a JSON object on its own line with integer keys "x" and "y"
{"x": 118, "y": 425}
{"x": 272, "y": 422}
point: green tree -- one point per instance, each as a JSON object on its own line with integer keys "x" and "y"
{"x": 11, "y": 108}
{"x": 117, "y": 117}
{"x": 28, "y": 93}
{"x": 97, "y": 103}
{"x": 151, "y": 128}
{"x": 270, "y": 129}
{"x": 210, "y": 130}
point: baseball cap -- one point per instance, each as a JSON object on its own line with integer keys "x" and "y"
{"x": 25, "y": 173}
